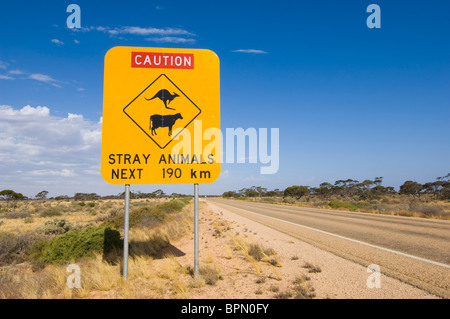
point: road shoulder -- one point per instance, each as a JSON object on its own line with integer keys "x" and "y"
{"x": 338, "y": 277}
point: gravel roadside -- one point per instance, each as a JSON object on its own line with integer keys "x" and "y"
{"x": 337, "y": 278}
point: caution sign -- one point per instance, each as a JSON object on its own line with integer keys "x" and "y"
{"x": 161, "y": 116}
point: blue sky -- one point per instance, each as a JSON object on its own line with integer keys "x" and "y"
{"x": 350, "y": 102}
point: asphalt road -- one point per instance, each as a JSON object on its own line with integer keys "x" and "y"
{"x": 414, "y": 250}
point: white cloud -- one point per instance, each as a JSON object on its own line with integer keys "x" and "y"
{"x": 170, "y": 35}
{"x": 171, "y": 40}
{"x": 41, "y": 77}
{"x": 152, "y": 31}
{"x": 44, "y": 78}
{"x": 50, "y": 172}
{"x": 8, "y": 113}
{"x": 251, "y": 51}
{"x": 71, "y": 116}
{"x": 6, "y": 77}
{"x": 3, "y": 65}
{"x": 76, "y": 41}
{"x": 37, "y": 148}
{"x": 16, "y": 72}
{"x": 57, "y": 42}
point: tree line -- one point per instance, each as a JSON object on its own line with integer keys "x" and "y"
{"x": 8, "y": 194}
{"x": 367, "y": 189}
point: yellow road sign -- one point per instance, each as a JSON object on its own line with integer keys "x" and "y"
{"x": 161, "y": 116}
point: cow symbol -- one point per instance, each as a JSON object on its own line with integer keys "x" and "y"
{"x": 157, "y": 121}
{"x": 164, "y": 96}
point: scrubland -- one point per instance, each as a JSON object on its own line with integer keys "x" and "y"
{"x": 39, "y": 239}
{"x": 398, "y": 205}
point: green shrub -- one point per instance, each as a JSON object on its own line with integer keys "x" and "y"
{"x": 56, "y": 227}
{"x": 76, "y": 244}
{"x": 175, "y": 205}
{"x": 148, "y": 216}
{"x": 336, "y": 204}
{"x": 186, "y": 199}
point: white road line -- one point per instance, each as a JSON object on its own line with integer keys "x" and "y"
{"x": 346, "y": 238}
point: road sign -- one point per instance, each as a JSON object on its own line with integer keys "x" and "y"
{"x": 161, "y": 116}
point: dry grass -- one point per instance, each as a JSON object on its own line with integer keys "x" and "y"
{"x": 312, "y": 268}
{"x": 300, "y": 289}
{"x": 254, "y": 252}
{"x": 98, "y": 277}
{"x": 154, "y": 267}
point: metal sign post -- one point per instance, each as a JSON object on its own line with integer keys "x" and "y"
{"x": 196, "y": 230}
{"x": 125, "y": 231}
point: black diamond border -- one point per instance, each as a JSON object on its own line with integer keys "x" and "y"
{"x": 162, "y": 147}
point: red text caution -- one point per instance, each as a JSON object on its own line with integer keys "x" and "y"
{"x": 162, "y": 60}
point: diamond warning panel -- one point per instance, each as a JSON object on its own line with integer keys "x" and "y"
{"x": 160, "y": 108}
{"x": 161, "y": 116}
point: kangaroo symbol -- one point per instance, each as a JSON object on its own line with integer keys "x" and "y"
{"x": 164, "y": 96}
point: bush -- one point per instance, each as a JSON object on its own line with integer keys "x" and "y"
{"x": 175, "y": 205}
{"x": 288, "y": 200}
{"x": 210, "y": 274}
{"x": 148, "y": 216}
{"x": 428, "y": 210}
{"x": 14, "y": 249}
{"x": 16, "y": 215}
{"x": 56, "y": 227}
{"x": 185, "y": 199}
{"x": 51, "y": 212}
{"x": 336, "y": 204}
{"x": 76, "y": 244}
{"x": 256, "y": 251}
{"x": 312, "y": 268}
{"x": 230, "y": 194}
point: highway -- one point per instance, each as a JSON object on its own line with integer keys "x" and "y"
{"x": 413, "y": 250}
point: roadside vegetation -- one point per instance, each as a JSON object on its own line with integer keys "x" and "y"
{"x": 40, "y": 238}
{"x": 428, "y": 200}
